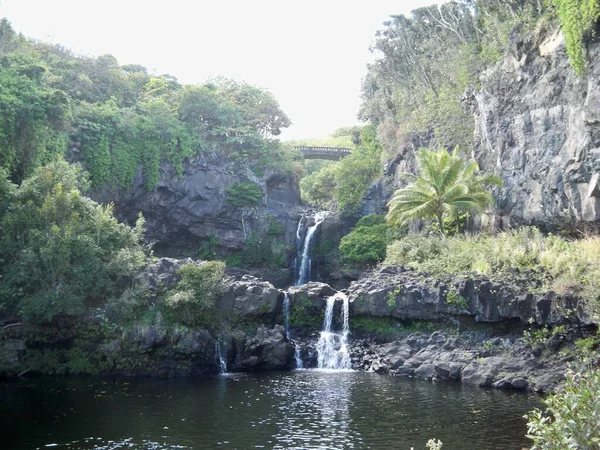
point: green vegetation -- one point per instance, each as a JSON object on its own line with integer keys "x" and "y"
{"x": 366, "y": 244}
{"x": 60, "y": 251}
{"x": 345, "y": 183}
{"x": 427, "y": 60}
{"x": 445, "y": 187}
{"x": 117, "y": 119}
{"x": 577, "y": 20}
{"x": 193, "y": 301}
{"x": 304, "y": 312}
{"x": 571, "y": 416}
{"x": 244, "y": 195}
{"x": 266, "y": 249}
{"x": 573, "y": 265}
{"x": 455, "y": 299}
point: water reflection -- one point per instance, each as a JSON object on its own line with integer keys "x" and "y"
{"x": 302, "y": 409}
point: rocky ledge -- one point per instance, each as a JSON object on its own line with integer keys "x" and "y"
{"x": 516, "y": 296}
{"x": 509, "y": 362}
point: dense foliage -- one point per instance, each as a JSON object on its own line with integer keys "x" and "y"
{"x": 60, "y": 251}
{"x": 573, "y": 266}
{"x": 193, "y": 301}
{"x": 116, "y": 118}
{"x": 244, "y": 194}
{"x": 426, "y": 61}
{"x": 445, "y": 187}
{"x": 577, "y": 19}
{"x": 572, "y": 417}
{"x": 345, "y": 183}
{"x": 366, "y": 244}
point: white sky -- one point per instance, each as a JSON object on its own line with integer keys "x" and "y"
{"x": 310, "y": 54}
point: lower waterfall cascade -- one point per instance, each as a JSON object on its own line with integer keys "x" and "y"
{"x": 220, "y": 359}
{"x": 332, "y": 347}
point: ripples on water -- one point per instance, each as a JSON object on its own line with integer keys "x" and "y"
{"x": 295, "y": 410}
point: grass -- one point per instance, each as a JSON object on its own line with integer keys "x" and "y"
{"x": 573, "y": 265}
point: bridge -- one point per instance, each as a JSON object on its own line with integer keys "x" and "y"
{"x": 331, "y": 153}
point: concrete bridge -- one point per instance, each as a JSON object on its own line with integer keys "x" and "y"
{"x": 331, "y": 153}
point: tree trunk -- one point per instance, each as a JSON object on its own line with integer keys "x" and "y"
{"x": 441, "y": 224}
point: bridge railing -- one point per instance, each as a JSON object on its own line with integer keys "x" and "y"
{"x": 335, "y": 150}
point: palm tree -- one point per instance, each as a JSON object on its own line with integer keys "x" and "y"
{"x": 447, "y": 185}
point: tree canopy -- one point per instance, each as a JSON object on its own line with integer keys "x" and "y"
{"x": 445, "y": 186}
{"x": 115, "y": 119}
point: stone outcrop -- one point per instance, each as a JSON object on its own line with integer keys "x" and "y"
{"x": 250, "y": 297}
{"x": 507, "y": 362}
{"x": 538, "y": 126}
{"x": 186, "y": 209}
{"x": 397, "y": 292}
{"x": 268, "y": 349}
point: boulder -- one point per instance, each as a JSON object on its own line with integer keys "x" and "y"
{"x": 268, "y": 350}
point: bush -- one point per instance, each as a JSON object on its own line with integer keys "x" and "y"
{"x": 60, "y": 251}
{"x": 577, "y": 19}
{"x": 194, "y": 299}
{"x": 572, "y": 417}
{"x": 244, "y": 195}
{"x": 366, "y": 243}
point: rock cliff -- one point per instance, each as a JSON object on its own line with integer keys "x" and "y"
{"x": 537, "y": 125}
{"x": 186, "y": 209}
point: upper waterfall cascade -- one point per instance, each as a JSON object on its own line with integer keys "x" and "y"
{"x": 304, "y": 257}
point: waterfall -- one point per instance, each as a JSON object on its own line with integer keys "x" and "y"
{"x": 299, "y": 363}
{"x": 286, "y": 314}
{"x": 220, "y": 360}
{"x": 332, "y": 348}
{"x": 305, "y": 262}
{"x": 286, "y": 321}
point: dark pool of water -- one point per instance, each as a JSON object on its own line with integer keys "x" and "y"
{"x": 302, "y": 409}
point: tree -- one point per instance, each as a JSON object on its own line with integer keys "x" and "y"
{"x": 447, "y": 185}
{"x": 571, "y": 417}
{"x": 61, "y": 251}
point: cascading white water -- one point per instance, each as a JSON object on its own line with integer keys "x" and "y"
{"x": 332, "y": 348}
{"x": 286, "y": 321}
{"x": 286, "y": 314}
{"x": 220, "y": 360}
{"x": 305, "y": 261}
{"x": 299, "y": 363}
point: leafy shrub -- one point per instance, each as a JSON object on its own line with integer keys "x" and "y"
{"x": 577, "y": 19}
{"x": 571, "y": 417}
{"x": 193, "y": 301}
{"x": 366, "y": 243}
{"x": 244, "y": 194}
{"x": 208, "y": 249}
{"x": 61, "y": 251}
{"x": 455, "y": 299}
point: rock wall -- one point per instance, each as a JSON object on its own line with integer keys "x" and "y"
{"x": 537, "y": 125}
{"x": 188, "y": 208}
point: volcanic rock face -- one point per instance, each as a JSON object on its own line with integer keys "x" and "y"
{"x": 396, "y": 292}
{"x": 538, "y": 125}
{"x": 188, "y": 208}
{"x": 502, "y": 363}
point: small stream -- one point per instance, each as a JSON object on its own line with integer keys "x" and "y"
{"x": 308, "y": 409}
